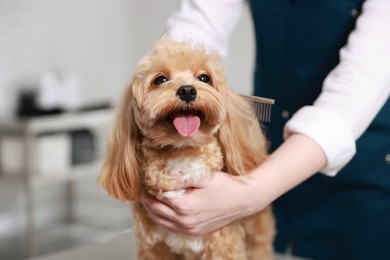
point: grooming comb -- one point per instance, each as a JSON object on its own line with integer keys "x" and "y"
{"x": 261, "y": 106}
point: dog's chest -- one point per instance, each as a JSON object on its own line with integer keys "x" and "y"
{"x": 163, "y": 170}
{"x": 179, "y": 243}
{"x": 188, "y": 169}
{"x": 185, "y": 170}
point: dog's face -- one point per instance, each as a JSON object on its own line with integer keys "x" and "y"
{"x": 178, "y": 94}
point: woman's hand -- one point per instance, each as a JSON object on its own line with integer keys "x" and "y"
{"x": 222, "y": 199}
{"x": 210, "y": 204}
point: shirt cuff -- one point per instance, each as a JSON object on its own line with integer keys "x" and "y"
{"x": 329, "y": 131}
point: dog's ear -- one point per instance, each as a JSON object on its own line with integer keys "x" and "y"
{"x": 120, "y": 174}
{"x": 243, "y": 144}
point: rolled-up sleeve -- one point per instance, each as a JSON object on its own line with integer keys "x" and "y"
{"x": 329, "y": 131}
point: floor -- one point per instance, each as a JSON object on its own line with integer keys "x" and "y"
{"x": 96, "y": 218}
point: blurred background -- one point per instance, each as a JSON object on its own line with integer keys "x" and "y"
{"x": 63, "y": 64}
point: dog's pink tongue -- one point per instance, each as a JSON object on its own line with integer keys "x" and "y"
{"x": 186, "y": 124}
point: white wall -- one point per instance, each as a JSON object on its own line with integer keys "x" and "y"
{"x": 99, "y": 40}
{"x": 239, "y": 64}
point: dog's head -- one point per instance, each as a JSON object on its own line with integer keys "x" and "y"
{"x": 178, "y": 95}
{"x": 179, "y": 98}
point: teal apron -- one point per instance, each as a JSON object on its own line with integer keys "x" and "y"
{"x": 343, "y": 217}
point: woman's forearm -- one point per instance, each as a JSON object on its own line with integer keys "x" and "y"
{"x": 297, "y": 159}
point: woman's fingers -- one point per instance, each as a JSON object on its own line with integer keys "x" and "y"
{"x": 157, "y": 207}
{"x": 164, "y": 215}
{"x": 161, "y": 220}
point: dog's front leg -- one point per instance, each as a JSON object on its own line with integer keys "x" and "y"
{"x": 260, "y": 232}
{"x": 149, "y": 246}
{"x": 157, "y": 252}
{"x": 226, "y": 243}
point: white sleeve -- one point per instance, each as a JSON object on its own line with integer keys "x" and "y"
{"x": 207, "y": 22}
{"x": 353, "y": 93}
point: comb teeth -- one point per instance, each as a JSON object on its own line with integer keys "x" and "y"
{"x": 261, "y": 107}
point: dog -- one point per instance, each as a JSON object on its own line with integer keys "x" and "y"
{"x": 179, "y": 120}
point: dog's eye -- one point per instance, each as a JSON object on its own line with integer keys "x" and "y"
{"x": 204, "y": 78}
{"x": 160, "y": 79}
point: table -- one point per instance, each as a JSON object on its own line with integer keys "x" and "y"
{"x": 28, "y": 130}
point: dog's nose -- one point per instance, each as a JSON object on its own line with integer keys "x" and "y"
{"x": 187, "y": 93}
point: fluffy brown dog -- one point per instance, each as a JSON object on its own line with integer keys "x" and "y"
{"x": 178, "y": 120}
